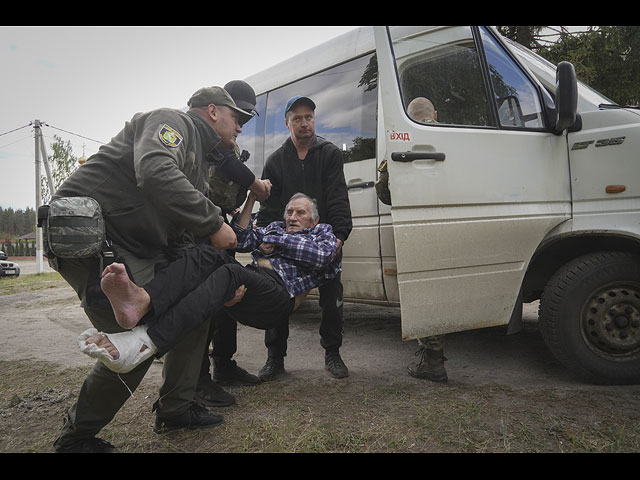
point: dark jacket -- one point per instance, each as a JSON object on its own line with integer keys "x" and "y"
{"x": 320, "y": 175}
{"x": 151, "y": 181}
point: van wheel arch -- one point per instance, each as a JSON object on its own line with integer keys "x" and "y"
{"x": 556, "y": 253}
{"x": 590, "y": 317}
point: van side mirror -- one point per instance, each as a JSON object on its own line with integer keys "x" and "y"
{"x": 566, "y": 97}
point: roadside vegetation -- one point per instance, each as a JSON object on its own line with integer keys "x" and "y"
{"x": 353, "y": 416}
{"x": 30, "y": 283}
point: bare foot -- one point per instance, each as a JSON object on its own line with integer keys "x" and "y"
{"x": 128, "y": 301}
{"x": 102, "y": 340}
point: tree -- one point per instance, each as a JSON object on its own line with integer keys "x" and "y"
{"x": 62, "y": 164}
{"x": 16, "y": 222}
{"x": 525, "y": 35}
{"x": 605, "y": 57}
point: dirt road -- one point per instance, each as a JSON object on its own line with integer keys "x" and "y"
{"x": 44, "y": 326}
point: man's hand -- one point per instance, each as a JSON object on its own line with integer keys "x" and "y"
{"x": 237, "y": 296}
{"x": 224, "y": 239}
{"x": 261, "y": 189}
{"x": 267, "y": 248}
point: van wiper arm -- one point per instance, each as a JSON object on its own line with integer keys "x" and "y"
{"x": 613, "y": 105}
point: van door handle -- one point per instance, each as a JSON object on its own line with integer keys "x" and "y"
{"x": 411, "y": 156}
{"x": 361, "y": 185}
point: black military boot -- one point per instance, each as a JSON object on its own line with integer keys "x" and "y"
{"x": 271, "y": 369}
{"x": 211, "y": 394}
{"x": 334, "y": 365}
{"x": 430, "y": 365}
{"x": 88, "y": 445}
{"x": 196, "y": 416}
{"x": 227, "y": 372}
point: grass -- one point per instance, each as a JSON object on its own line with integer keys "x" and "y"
{"x": 31, "y": 283}
{"x": 335, "y": 417}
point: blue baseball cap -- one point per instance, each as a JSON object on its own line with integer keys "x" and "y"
{"x": 293, "y": 100}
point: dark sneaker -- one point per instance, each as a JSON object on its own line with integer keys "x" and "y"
{"x": 335, "y": 366}
{"x": 271, "y": 369}
{"x": 197, "y": 416}
{"x": 430, "y": 365}
{"x": 212, "y": 395}
{"x": 88, "y": 445}
{"x": 227, "y": 372}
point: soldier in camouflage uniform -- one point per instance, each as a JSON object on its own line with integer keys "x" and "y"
{"x": 430, "y": 363}
{"x": 229, "y": 182}
{"x": 151, "y": 181}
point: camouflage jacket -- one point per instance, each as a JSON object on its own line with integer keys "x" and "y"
{"x": 151, "y": 181}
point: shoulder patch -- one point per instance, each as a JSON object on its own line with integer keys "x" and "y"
{"x": 169, "y": 136}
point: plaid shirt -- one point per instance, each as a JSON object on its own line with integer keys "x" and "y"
{"x": 304, "y": 259}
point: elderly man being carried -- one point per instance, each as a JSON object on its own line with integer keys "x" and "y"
{"x": 290, "y": 258}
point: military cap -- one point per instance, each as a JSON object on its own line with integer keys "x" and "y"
{"x": 243, "y": 94}
{"x": 217, "y": 96}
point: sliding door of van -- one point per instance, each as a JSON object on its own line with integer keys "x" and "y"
{"x": 475, "y": 186}
{"x": 346, "y": 99}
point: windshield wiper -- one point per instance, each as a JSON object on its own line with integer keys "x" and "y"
{"x": 613, "y": 105}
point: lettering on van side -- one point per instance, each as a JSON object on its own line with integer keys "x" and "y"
{"x": 404, "y": 136}
{"x": 605, "y": 142}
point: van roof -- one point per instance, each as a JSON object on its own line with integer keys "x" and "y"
{"x": 340, "y": 49}
{"x": 332, "y": 52}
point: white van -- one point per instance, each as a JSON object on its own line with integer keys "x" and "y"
{"x": 526, "y": 188}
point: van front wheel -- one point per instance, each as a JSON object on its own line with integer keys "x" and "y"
{"x": 590, "y": 317}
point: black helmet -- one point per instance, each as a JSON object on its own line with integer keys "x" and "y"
{"x": 243, "y": 95}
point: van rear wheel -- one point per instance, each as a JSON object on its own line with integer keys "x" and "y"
{"x": 590, "y": 317}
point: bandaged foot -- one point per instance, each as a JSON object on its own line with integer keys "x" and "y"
{"x": 120, "y": 352}
{"x": 128, "y": 301}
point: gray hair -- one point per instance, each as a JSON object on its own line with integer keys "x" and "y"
{"x": 312, "y": 201}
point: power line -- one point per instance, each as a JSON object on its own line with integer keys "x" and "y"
{"x": 71, "y": 133}
{"x": 16, "y": 129}
{"x": 16, "y": 141}
{"x": 30, "y": 124}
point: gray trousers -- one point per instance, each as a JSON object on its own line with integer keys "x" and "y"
{"x": 104, "y": 392}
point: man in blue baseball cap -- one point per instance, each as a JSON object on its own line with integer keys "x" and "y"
{"x": 298, "y": 100}
{"x": 312, "y": 165}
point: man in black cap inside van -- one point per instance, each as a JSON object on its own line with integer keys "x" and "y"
{"x": 312, "y": 165}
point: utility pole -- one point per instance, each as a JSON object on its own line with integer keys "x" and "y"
{"x": 40, "y": 151}
{"x": 38, "y": 134}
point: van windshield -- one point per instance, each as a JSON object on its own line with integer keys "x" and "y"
{"x": 545, "y": 72}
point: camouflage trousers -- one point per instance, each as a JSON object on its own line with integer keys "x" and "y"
{"x": 435, "y": 342}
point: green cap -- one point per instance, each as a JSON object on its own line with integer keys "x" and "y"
{"x": 217, "y": 96}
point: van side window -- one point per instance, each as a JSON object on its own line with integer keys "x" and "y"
{"x": 443, "y": 66}
{"x": 346, "y": 108}
{"x": 516, "y": 98}
{"x": 252, "y": 137}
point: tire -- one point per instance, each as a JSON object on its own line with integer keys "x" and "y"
{"x": 590, "y": 317}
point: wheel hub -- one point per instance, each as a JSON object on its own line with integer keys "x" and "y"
{"x": 611, "y": 322}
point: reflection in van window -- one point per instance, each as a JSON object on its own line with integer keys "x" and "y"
{"x": 252, "y": 137}
{"x": 443, "y": 66}
{"x": 516, "y": 98}
{"x": 346, "y": 108}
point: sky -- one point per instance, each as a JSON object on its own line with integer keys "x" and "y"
{"x": 84, "y": 83}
